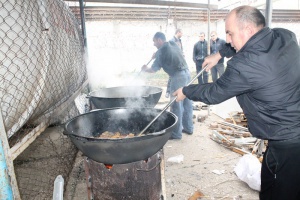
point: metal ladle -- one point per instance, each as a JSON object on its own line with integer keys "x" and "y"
{"x": 171, "y": 102}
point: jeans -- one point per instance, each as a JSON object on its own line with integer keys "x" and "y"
{"x": 218, "y": 69}
{"x": 203, "y": 78}
{"x": 280, "y": 171}
{"x": 183, "y": 109}
{"x": 168, "y": 86}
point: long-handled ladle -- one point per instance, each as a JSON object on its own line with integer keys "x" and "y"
{"x": 172, "y": 101}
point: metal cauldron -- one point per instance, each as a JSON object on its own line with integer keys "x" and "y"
{"x": 84, "y": 131}
{"x": 125, "y": 96}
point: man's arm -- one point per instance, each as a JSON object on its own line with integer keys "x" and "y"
{"x": 227, "y": 51}
{"x": 145, "y": 68}
{"x": 211, "y": 61}
{"x": 230, "y": 84}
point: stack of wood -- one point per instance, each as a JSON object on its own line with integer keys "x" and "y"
{"x": 237, "y": 137}
{"x": 237, "y": 118}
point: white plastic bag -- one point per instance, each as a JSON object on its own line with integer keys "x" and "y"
{"x": 248, "y": 170}
{"x": 176, "y": 159}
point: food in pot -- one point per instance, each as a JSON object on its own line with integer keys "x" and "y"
{"x": 116, "y": 135}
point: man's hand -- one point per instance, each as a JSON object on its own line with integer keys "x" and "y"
{"x": 144, "y": 68}
{"x": 153, "y": 56}
{"x": 211, "y": 61}
{"x": 179, "y": 94}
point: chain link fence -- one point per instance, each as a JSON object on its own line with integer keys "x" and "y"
{"x": 42, "y": 66}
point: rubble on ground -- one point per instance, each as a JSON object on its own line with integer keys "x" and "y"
{"x": 233, "y": 134}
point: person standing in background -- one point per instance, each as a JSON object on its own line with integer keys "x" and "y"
{"x": 177, "y": 39}
{"x": 215, "y": 45}
{"x": 199, "y": 53}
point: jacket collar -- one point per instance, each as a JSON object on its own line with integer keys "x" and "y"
{"x": 256, "y": 37}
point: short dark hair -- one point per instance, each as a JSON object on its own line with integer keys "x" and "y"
{"x": 250, "y": 14}
{"x": 178, "y": 30}
{"x": 160, "y": 35}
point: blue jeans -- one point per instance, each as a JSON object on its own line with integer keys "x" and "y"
{"x": 217, "y": 71}
{"x": 203, "y": 78}
{"x": 183, "y": 109}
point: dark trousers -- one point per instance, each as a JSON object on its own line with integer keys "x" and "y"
{"x": 280, "y": 173}
{"x": 203, "y": 78}
{"x": 217, "y": 71}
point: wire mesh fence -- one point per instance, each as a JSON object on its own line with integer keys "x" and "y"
{"x": 42, "y": 66}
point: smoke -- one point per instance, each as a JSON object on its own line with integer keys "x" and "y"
{"x": 105, "y": 71}
{"x": 117, "y": 53}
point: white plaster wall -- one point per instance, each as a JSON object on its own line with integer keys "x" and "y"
{"x": 119, "y": 46}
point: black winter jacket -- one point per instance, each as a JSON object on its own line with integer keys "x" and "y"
{"x": 200, "y": 50}
{"x": 265, "y": 78}
{"x": 217, "y": 45}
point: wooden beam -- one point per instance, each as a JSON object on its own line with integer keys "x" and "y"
{"x": 155, "y": 3}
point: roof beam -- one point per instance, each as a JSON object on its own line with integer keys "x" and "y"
{"x": 155, "y": 3}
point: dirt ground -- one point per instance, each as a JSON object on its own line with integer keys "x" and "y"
{"x": 201, "y": 157}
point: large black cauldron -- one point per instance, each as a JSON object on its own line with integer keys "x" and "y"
{"x": 125, "y": 96}
{"x": 85, "y": 129}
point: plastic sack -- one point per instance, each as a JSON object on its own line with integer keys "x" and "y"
{"x": 248, "y": 169}
{"x": 176, "y": 159}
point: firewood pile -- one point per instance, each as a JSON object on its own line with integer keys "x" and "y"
{"x": 232, "y": 133}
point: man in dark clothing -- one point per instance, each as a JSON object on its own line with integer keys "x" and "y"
{"x": 199, "y": 53}
{"x": 170, "y": 58}
{"x": 263, "y": 74}
{"x": 215, "y": 45}
{"x": 177, "y": 38}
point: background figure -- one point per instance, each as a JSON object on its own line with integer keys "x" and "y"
{"x": 199, "y": 53}
{"x": 169, "y": 57}
{"x": 215, "y": 45}
{"x": 177, "y": 40}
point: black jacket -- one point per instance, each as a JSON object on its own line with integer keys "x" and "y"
{"x": 217, "y": 45}
{"x": 265, "y": 77}
{"x": 200, "y": 50}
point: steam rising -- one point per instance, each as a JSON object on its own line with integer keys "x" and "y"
{"x": 116, "y": 53}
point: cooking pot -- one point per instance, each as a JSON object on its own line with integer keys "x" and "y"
{"x": 84, "y": 131}
{"x": 125, "y": 96}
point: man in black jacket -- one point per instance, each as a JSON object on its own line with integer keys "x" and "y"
{"x": 216, "y": 44}
{"x": 263, "y": 74}
{"x": 199, "y": 53}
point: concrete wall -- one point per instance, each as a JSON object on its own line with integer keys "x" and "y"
{"x": 119, "y": 46}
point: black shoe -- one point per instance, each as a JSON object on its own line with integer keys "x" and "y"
{"x": 189, "y": 133}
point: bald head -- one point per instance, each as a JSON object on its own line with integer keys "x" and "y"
{"x": 247, "y": 14}
{"x": 241, "y": 24}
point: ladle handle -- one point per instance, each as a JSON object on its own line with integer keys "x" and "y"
{"x": 146, "y": 65}
{"x": 172, "y": 101}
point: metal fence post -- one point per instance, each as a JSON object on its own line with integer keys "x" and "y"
{"x": 7, "y": 174}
